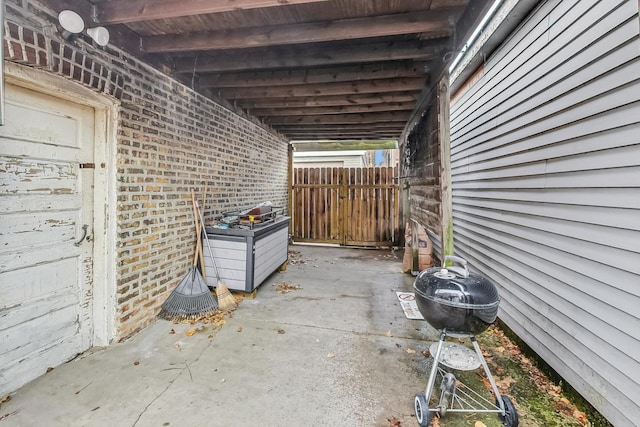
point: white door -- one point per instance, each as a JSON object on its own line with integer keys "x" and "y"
{"x": 46, "y": 259}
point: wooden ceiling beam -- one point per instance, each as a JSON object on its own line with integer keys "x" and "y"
{"x": 340, "y": 136}
{"x": 124, "y": 11}
{"x": 345, "y": 144}
{"x": 327, "y": 101}
{"x": 339, "y": 131}
{"x": 343, "y": 134}
{"x": 384, "y": 118}
{"x": 319, "y": 111}
{"x": 320, "y": 136}
{"x": 346, "y": 73}
{"x": 388, "y": 127}
{"x": 299, "y": 57}
{"x": 433, "y": 23}
{"x": 325, "y": 89}
{"x": 336, "y": 130}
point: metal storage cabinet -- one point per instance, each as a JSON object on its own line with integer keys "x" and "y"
{"x": 244, "y": 258}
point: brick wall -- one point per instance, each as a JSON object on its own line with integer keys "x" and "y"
{"x": 170, "y": 139}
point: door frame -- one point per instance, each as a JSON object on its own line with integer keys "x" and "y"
{"x": 104, "y": 191}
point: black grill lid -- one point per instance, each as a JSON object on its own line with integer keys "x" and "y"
{"x": 456, "y": 287}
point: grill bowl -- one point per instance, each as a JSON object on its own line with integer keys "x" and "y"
{"x": 456, "y": 300}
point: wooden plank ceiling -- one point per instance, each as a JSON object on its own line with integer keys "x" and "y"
{"x": 311, "y": 69}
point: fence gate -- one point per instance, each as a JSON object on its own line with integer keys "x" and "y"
{"x": 347, "y": 206}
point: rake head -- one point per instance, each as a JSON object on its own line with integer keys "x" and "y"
{"x": 190, "y": 299}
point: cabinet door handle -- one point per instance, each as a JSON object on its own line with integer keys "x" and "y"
{"x": 84, "y": 234}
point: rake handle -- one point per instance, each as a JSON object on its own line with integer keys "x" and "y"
{"x": 199, "y": 254}
{"x": 204, "y": 231}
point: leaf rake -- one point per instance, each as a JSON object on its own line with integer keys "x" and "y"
{"x": 192, "y": 297}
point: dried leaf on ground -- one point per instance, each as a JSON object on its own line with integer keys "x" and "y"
{"x": 505, "y": 348}
{"x": 136, "y": 362}
{"x": 566, "y": 407}
{"x": 216, "y": 318}
{"x": 239, "y": 329}
{"x": 410, "y": 351}
{"x": 435, "y": 422}
{"x": 389, "y": 334}
{"x": 190, "y": 332}
{"x": 479, "y": 424}
{"x": 295, "y": 257}
{"x": 330, "y": 355}
{"x": 172, "y": 331}
{"x": 394, "y": 422}
{"x": 487, "y": 384}
{"x": 49, "y": 369}
{"x": 281, "y": 331}
{"x": 176, "y": 346}
{"x": 581, "y": 417}
{"x": 5, "y": 398}
{"x": 504, "y": 384}
{"x": 285, "y": 288}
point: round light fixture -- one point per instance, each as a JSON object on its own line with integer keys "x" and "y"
{"x": 99, "y": 34}
{"x": 70, "y": 21}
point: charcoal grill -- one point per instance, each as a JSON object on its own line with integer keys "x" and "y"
{"x": 459, "y": 304}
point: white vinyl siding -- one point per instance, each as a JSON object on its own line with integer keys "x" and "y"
{"x": 545, "y": 163}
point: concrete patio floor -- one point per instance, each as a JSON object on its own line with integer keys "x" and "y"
{"x": 338, "y": 352}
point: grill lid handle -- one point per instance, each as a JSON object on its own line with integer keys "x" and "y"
{"x": 464, "y": 271}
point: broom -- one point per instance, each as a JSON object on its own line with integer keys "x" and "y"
{"x": 226, "y": 301}
{"x": 191, "y": 298}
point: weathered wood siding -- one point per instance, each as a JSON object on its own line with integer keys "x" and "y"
{"x": 545, "y": 162}
{"x": 420, "y": 176}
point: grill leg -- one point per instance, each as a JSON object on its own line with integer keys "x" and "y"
{"x": 434, "y": 367}
{"x": 494, "y": 387}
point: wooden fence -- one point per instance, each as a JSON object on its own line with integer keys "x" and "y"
{"x": 347, "y": 206}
